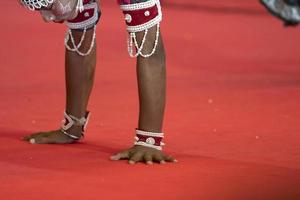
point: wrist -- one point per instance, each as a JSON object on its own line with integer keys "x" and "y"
{"x": 149, "y": 139}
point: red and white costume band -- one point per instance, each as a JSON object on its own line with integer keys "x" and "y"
{"x": 140, "y": 16}
{"x": 149, "y": 139}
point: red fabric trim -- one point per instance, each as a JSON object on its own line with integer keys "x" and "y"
{"x": 87, "y": 1}
{"x": 80, "y": 17}
{"x": 143, "y": 138}
{"x": 121, "y": 2}
{"x": 138, "y": 16}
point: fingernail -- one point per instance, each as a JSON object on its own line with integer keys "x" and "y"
{"x": 162, "y": 162}
{"x": 175, "y": 160}
{"x": 131, "y": 162}
{"x": 113, "y": 157}
{"x": 149, "y": 163}
{"x": 32, "y": 141}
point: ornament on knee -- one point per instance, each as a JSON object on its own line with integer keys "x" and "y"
{"x": 140, "y": 17}
{"x": 85, "y": 20}
{"x": 149, "y": 139}
{"x": 55, "y": 10}
{"x": 77, "y": 14}
{"x": 70, "y": 121}
{"x": 36, "y": 4}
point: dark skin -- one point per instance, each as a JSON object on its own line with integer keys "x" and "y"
{"x": 151, "y": 78}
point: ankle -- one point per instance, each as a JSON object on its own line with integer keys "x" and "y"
{"x": 75, "y": 130}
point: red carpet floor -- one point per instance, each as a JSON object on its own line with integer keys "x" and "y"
{"x": 232, "y": 118}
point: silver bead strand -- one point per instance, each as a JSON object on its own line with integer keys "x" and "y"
{"x": 36, "y": 4}
{"x": 155, "y": 44}
{"x": 75, "y": 48}
{"x": 139, "y": 49}
{"x": 69, "y": 33}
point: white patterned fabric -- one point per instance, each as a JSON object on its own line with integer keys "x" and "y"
{"x": 55, "y": 10}
{"x": 37, "y": 4}
{"x": 287, "y": 10}
{"x": 61, "y": 10}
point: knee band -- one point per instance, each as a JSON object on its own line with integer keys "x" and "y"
{"x": 79, "y": 15}
{"x": 141, "y": 17}
{"x": 87, "y": 18}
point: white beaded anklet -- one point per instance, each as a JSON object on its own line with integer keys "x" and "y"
{"x": 70, "y": 121}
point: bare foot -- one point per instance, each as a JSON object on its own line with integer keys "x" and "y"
{"x": 52, "y": 137}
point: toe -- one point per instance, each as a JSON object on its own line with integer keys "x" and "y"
{"x": 120, "y": 156}
{"x": 26, "y": 138}
{"x": 32, "y": 141}
{"x": 37, "y": 140}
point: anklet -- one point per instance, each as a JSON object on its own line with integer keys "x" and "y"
{"x": 70, "y": 121}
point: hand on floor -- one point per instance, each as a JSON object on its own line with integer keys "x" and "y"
{"x": 143, "y": 154}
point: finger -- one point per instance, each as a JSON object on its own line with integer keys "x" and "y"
{"x": 148, "y": 159}
{"x": 159, "y": 158}
{"x": 136, "y": 157}
{"x": 169, "y": 158}
{"x": 119, "y": 156}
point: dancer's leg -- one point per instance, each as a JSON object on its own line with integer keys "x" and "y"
{"x": 79, "y": 82}
{"x": 151, "y": 75}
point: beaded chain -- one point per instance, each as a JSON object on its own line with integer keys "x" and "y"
{"x": 36, "y": 4}
{"x": 76, "y": 48}
{"x": 131, "y": 40}
{"x": 139, "y": 49}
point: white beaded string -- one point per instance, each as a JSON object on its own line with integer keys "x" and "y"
{"x": 139, "y": 49}
{"x": 70, "y": 120}
{"x": 69, "y": 32}
{"x": 148, "y": 133}
{"x": 75, "y": 48}
{"x": 80, "y": 6}
{"x": 139, "y": 6}
{"x": 148, "y": 145}
{"x": 36, "y": 4}
{"x": 155, "y": 44}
